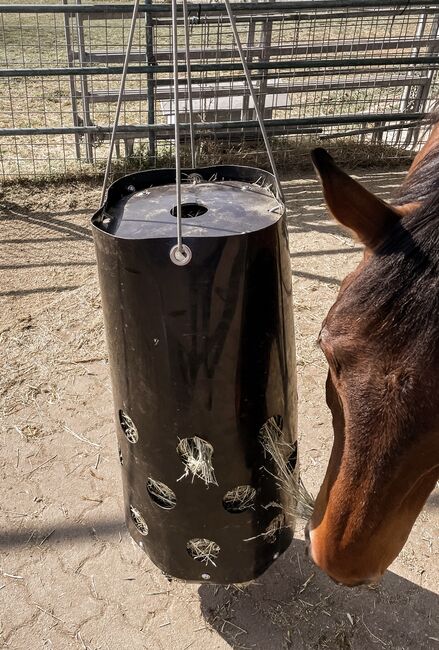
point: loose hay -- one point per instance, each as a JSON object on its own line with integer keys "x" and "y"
{"x": 281, "y": 453}
{"x": 239, "y": 499}
{"x": 161, "y": 494}
{"x": 43, "y": 350}
{"x": 196, "y": 455}
{"x": 203, "y": 550}
{"x": 272, "y": 427}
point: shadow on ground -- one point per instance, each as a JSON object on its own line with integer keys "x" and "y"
{"x": 293, "y": 605}
{"x": 45, "y": 219}
{"x": 22, "y": 538}
{"x": 306, "y": 206}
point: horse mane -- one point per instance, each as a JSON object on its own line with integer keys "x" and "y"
{"x": 418, "y": 185}
{"x": 398, "y": 289}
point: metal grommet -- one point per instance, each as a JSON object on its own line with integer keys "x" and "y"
{"x": 180, "y": 256}
{"x": 131, "y": 188}
{"x": 205, "y": 576}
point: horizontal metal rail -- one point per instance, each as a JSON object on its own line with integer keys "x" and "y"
{"x": 294, "y": 16}
{"x": 215, "y": 126}
{"x": 419, "y": 61}
{"x": 239, "y": 90}
{"x": 308, "y": 74}
{"x": 373, "y": 129}
{"x": 219, "y": 8}
{"x": 365, "y": 45}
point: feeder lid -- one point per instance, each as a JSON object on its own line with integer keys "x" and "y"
{"x": 220, "y": 201}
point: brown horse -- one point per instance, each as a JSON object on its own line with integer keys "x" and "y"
{"x": 381, "y": 341}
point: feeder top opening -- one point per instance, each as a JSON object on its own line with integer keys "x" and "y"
{"x": 215, "y": 202}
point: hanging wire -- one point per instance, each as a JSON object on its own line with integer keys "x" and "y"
{"x": 179, "y": 254}
{"x": 255, "y": 99}
{"x": 119, "y": 98}
{"x": 189, "y": 83}
{"x": 177, "y": 127}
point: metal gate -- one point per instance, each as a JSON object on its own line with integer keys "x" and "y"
{"x": 357, "y": 72}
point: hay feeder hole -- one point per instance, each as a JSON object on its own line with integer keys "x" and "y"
{"x": 139, "y": 521}
{"x": 128, "y": 427}
{"x": 239, "y": 499}
{"x": 161, "y": 494}
{"x": 203, "y": 550}
{"x": 196, "y": 455}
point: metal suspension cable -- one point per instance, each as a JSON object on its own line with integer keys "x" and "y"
{"x": 120, "y": 96}
{"x": 177, "y": 128}
{"x": 189, "y": 83}
{"x": 254, "y": 98}
{"x": 180, "y": 254}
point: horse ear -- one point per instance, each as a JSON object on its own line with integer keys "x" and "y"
{"x": 351, "y": 204}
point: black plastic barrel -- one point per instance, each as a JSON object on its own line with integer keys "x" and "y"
{"x": 202, "y": 362}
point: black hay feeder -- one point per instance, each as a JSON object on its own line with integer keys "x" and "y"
{"x": 202, "y": 362}
{"x": 195, "y": 279}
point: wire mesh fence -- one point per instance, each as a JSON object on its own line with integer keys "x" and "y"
{"x": 351, "y": 74}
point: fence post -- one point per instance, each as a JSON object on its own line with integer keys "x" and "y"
{"x": 73, "y": 95}
{"x": 150, "y": 57}
{"x": 89, "y": 154}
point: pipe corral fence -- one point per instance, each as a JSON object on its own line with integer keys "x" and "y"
{"x": 356, "y": 75}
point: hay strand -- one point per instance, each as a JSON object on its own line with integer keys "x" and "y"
{"x": 203, "y": 550}
{"x": 289, "y": 482}
{"x": 239, "y": 499}
{"x": 196, "y": 455}
{"x": 272, "y": 530}
{"x": 274, "y": 527}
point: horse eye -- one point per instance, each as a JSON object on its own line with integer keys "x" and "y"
{"x": 337, "y": 366}
{"x": 319, "y": 338}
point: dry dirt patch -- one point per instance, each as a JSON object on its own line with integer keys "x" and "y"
{"x": 69, "y": 575}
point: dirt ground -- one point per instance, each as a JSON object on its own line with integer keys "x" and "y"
{"x": 70, "y": 577}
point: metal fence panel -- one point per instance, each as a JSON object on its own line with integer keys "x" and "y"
{"x": 356, "y": 73}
